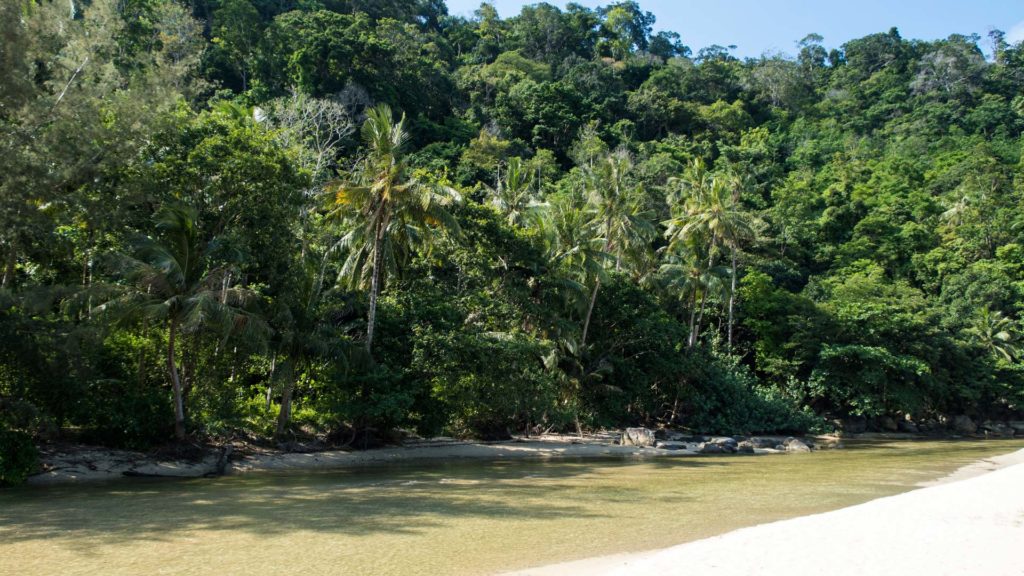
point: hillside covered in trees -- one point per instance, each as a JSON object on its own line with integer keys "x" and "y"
{"x": 327, "y": 217}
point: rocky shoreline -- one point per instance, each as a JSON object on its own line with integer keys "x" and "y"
{"x": 72, "y": 463}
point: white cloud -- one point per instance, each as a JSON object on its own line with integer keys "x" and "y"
{"x": 1016, "y": 34}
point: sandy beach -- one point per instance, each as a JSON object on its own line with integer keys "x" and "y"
{"x": 971, "y": 522}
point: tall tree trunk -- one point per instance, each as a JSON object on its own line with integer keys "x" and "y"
{"x": 10, "y": 262}
{"x": 179, "y": 405}
{"x": 732, "y": 298}
{"x": 700, "y": 317}
{"x": 378, "y": 260}
{"x": 590, "y": 311}
{"x": 284, "y": 416}
{"x": 693, "y": 320}
{"x": 704, "y": 297}
{"x": 593, "y": 298}
{"x": 270, "y": 382}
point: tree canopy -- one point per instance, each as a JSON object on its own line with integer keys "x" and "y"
{"x": 333, "y": 219}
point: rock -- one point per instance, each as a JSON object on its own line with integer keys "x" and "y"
{"x": 638, "y": 437}
{"x": 887, "y": 424}
{"x": 763, "y": 442}
{"x": 854, "y": 425}
{"x": 795, "y": 445}
{"x": 908, "y": 426}
{"x": 710, "y": 448}
{"x": 728, "y": 444}
{"x": 964, "y": 425}
{"x": 671, "y": 445}
{"x": 1018, "y": 427}
{"x": 745, "y": 447}
{"x": 997, "y": 429}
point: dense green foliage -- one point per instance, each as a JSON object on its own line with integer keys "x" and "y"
{"x": 331, "y": 216}
{"x": 18, "y": 457}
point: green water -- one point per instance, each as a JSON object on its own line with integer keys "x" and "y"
{"x": 459, "y": 518}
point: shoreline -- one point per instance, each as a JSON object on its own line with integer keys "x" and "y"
{"x": 76, "y": 464}
{"x": 970, "y": 521}
{"x": 82, "y": 464}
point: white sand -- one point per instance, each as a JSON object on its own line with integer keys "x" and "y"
{"x": 964, "y": 525}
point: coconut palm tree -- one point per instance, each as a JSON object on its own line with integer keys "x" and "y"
{"x": 995, "y": 333}
{"x": 390, "y": 210}
{"x": 514, "y": 195}
{"x": 572, "y": 255}
{"x": 620, "y": 219}
{"x": 707, "y": 209}
{"x": 173, "y": 280}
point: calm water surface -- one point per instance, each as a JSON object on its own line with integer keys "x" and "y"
{"x": 460, "y": 518}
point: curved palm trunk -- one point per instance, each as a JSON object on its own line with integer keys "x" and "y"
{"x": 700, "y": 317}
{"x": 732, "y": 298}
{"x": 593, "y": 299}
{"x": 704, "y": 298}
{"x": 374, "y": 289}
{"x": 172, "y": 368}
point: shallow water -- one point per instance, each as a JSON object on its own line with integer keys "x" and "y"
{"x": 459, "y": 518}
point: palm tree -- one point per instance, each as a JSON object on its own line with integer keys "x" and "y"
{"x": 735, "y": 226}
{"x": 619, "y": 217}
{"x": 684, "y": 272}
{"x": 391, "y": 210}
{"x": 571, "y": 254}
{"x": 995, "y": 333}
{"x": 173, "y": 280}
{"x": 514, "y": 195}
{"x": 708, "y": 210}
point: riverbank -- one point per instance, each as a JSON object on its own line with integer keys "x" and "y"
{"x": 73, "y": 463}
{"x": 76, "y": 464}
{"x": 970, "y": 522}
{"x": 70, "y": 464}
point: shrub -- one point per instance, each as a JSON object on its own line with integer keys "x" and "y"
{"x": 728, "y": 400}
{"x": 18, "y": 457}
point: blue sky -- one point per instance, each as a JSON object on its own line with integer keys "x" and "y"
{"x": 758, "y": 26}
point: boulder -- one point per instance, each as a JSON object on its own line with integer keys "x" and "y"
{"x": 886, "y": 424}
{"x": 795, "y": 445}
{"x": 710, "y": 448}
{"x": 908, "y": 426}
{"x": 763, "y": 442}
{"x": 745, "y": 447}
{"x": 997, "y": 429}
{"x": 728, "y": 444}
{"x": 638, "y": 437}
{"x": 964, "y": 425}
